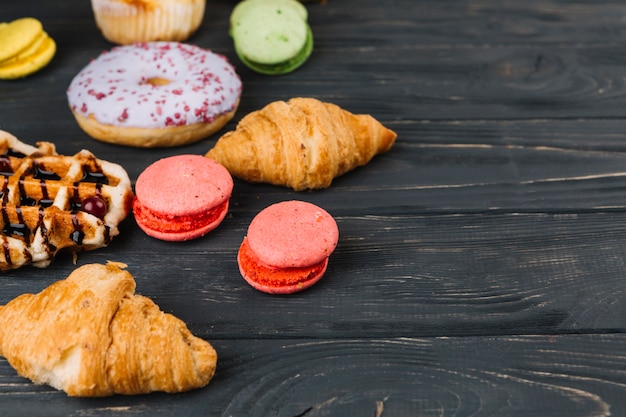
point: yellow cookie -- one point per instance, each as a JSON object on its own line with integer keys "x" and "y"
{"x": 17, "y": 35}
{"x": 30, "y": 60}
{"x": 29, "y": 50}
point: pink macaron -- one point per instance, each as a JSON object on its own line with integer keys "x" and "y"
{"x": 287, "y": 247}
{"x": 182, "y": 197}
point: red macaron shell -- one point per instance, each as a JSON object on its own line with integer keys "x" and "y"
{"x": 287, "y": 247}
{"x": 182, "y": 197}
{"x": 293, "y": 234}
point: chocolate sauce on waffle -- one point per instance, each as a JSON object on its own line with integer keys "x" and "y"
{"x": 77, "y": 235}
{"x": 19, "y": 229}
{"x": 41, "y": 174}
{"x": 94, "y": 176}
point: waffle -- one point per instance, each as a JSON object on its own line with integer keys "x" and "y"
{"x": 52, "y": 202}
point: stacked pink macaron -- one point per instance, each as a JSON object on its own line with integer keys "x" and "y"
{"x": 182, "y": 197}
{"x": 287, "y": 247}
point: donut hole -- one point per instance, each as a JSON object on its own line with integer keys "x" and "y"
{"x": 156, "y": 81}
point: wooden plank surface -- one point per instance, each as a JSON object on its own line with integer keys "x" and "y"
{"x": 480, "y": 268}
{"x": 487, "y": 376}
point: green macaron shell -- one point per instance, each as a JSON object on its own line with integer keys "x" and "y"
{"x": 243, "y": 7}
{"x": 281, "y": 67}
{"x": 271, "y": 36}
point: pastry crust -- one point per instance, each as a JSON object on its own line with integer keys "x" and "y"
{"x": 167, "y": 136}
{"x": 90, "y": 335}
{"x": 303, "y": 144}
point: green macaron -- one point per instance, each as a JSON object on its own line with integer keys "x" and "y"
{"x": 271, "y": 36}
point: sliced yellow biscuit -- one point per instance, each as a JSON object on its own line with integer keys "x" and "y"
{"x": 26, "y": 52}
{"x": 17, "y": 35}
{"x": 27, "y": 63}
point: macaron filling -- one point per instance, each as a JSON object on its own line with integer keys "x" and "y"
{"x": 166, "y": 223}
{"x": 273, "y": 279}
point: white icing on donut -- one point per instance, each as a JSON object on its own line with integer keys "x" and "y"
{"x": 121, "y": 88}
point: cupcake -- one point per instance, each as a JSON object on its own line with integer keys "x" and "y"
{"x": 127, "y": 21}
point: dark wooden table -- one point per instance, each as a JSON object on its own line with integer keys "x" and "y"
{"x": 480, "y": 269}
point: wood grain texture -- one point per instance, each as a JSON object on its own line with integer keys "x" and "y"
{"x": 551, "y": 376}
{"x": 480, "y": 268}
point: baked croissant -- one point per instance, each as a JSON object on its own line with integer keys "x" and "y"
{"x": 90, "y": 335}
{"x": 303, "y": 144}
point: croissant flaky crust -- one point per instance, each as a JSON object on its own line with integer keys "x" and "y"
{"x": 302, "y": 143}
{"x": 90, "y": 335}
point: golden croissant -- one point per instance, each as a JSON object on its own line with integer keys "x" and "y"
{"x": 303, "y": 144}
{"x": 90, "y": 335}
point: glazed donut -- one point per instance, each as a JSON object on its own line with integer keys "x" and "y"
{"x": 154, "y": 94}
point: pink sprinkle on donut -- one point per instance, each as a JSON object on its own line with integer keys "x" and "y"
{"x": 155, "y": 84}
